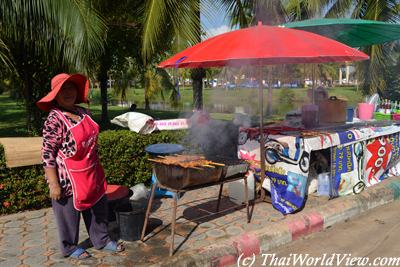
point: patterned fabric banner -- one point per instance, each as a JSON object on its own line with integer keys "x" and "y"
{"x": 359, "y": 157}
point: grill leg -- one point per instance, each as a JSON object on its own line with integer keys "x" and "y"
{"x": 246, "y": 198}
{"x": 219, "y": 196}
{"x": 171, "y": 248}
{"x": 149, "y": 204}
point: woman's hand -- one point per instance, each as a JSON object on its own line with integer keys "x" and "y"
{"x": 55, "y": 191}
{"x": 54, "y": 186}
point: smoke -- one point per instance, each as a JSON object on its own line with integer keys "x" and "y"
{"x": 213, "y": 137}
{"x": 234, "y": 93}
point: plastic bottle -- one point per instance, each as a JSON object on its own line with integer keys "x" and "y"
{"x": 392, "y": 107}
{"x": 323, "y": 188}
{"x": 388, "y": 107}
{"x": 382, "y": 106}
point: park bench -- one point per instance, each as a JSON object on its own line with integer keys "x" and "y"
{"x": 22, "y": 151}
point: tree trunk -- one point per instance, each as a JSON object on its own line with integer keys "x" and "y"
{"x": 197, "y": 76}
{"x": 148, "y": 75}
{"x": 28, "y": 91}
{"x": 102, "y": 77}
{"x": 37, "y": 119}
{"x": 104, "y": 100}
{"x": 33, "y": 120}
{"x": 146, "y": 103}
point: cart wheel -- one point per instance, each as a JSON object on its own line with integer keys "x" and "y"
{"x": 270, "y": 156}
{"x": 358, "y": 187}
{"x": 304, "y": 162}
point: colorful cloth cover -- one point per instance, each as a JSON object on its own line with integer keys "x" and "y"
{"x": 359, "y": 158}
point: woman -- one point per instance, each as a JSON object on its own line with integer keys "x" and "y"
{"x": 75, "y": 177}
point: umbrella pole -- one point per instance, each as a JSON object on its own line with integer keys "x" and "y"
{"x": 313, "y": 84}
{"x": 262, "y": 141}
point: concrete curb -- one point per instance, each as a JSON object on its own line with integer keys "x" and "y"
{"x": 293, "y": 227}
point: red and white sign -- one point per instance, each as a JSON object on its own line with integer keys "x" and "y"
{"x": 174, "y": 124}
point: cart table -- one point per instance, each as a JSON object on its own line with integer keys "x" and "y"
{"x": 360, "y": 155}
{"x": 176, "y": 193}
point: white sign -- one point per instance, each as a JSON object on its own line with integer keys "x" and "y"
{"x": 174, "y": 124}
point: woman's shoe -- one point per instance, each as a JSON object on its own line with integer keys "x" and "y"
{"x": 80, "y": 254}
{"x": 113, "y": 246}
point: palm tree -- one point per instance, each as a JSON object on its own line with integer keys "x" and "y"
{"x": 156, "y": 82}
{"x": 381, "y": 56}
{"x": 173, "y": 25}
{"x": 122, "y": 41}
{"x": 41, "y": 38}
{"x": 250, "y": 12}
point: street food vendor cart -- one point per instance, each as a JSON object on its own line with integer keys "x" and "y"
{"x": 360, "y": 154}
{"x": 259, "y": 46}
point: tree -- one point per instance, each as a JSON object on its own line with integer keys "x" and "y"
{"x": 173, "y": 25}
{"x": 123, "y": 18}
{"x": 393, "y": 80}
{"x": 41, "y": 38}
{"x": 125, "y": 74}
{"x": 381, "y": 56}
{"x": 372, "y": 72}
{"x": 157, "y": 81}
{"x": 249, "y": 12}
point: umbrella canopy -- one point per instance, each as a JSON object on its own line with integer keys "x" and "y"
{"x": 263, "y": 45}
{"x": 352, "y": 32}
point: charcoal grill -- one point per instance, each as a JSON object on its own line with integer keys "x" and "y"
{"x": 180, "y": 178}
{"x": 177, "y": 179}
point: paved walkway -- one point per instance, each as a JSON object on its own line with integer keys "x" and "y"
{"x": 31, "y": 239}
{"x": 203, "y": 237}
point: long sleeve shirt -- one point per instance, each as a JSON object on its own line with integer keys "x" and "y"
{"x": 56, "y": 136}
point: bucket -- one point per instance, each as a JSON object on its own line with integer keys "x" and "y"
{"x": 130, "y": 219}
{"x": 236, "y": 190}
{"x": 365, "y": 111}
{"x": 323, "y": 188}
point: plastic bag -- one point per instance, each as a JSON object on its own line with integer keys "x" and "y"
{"x": 135, "y": 121}
{"x": 140, "y": 192}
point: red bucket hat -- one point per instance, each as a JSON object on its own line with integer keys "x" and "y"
{"x": 82, "y": 83}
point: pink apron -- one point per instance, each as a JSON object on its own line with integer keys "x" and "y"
{"x": 84, "y": 169}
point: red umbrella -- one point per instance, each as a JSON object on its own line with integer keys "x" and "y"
{"x": 263, "y": 45}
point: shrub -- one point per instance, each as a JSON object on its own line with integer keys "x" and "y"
{"x": 122, "y": 156}
{"x": 22, "y": 188}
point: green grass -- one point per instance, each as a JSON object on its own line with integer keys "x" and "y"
{"x": 12, "y": 114}
{"x": 237, "y": 97}
{"x": 12, "y": 117}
